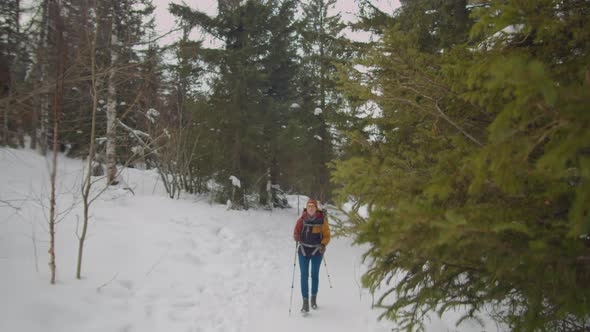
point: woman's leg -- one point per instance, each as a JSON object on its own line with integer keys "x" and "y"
{"x": 304, "y": 268}
{"x": 316, "y": 262}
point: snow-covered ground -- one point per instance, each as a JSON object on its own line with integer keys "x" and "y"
{"x": 156, "y": 264}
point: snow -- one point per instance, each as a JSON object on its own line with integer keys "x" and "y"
{"x": 133, "y": 132}
{"x": 363, "y": 211}
{"x": 506, "y": 34}
{"x": 156, "y": 264}
{"x": 318, "y": 137}
{"x": 138, "y": 150}
{"x": 295, "y": 105}
{"x": 362, "y": 68}
{"x": 317, "y": 111}
{"x": 152, "y": 114}
{"x": 235, "y": 181}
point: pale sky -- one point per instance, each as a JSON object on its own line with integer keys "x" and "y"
{"x": 165, "y": 21}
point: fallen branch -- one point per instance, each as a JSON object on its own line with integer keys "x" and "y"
{"x": 106, "y": 283}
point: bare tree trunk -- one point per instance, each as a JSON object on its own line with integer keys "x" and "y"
{"x": 5, "y": 84}
{"x": 237, "y": 197}
{"x": 324, "y": 144}
{"x": 42, "y": 139}
{"x": 269, "y": 189}
{"x": 111, "y": 157}
{"x": 5, "y": 124}
{"x": 33, "y": 133}
{"x": 43, "y": 58}
{"x": 52, "y": 265}
{"x": 20, "y": 134}
{"x": 91, "y": 147}
{"x": 57, "y": 108}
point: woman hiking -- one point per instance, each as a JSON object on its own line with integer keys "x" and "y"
{"x": 312, "y": 233}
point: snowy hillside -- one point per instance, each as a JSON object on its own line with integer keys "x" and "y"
{"x": 156, "y": 264}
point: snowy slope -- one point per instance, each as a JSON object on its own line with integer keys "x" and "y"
{"x": 156, "y": 264}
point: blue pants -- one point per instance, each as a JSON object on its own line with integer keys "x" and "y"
{"x": 316, "y": 262}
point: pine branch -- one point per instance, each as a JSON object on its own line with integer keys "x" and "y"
{"x": 444, "y": 116}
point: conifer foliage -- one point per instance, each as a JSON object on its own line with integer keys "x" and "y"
{"x": 476, "y": 174}
{"x": 263, "y": 113}
{"x": 323, "y": 48}
{"x": 240, "y": 97}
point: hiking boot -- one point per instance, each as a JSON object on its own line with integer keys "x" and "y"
{"x": 314, "y": 305}
{"x": 305, "y": 308}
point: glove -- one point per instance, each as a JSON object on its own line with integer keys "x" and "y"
{"x": 322, "y": 248}
{"x": 297, "y": 237}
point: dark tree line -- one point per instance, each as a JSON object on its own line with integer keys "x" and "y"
{"x": 259, "y": 108}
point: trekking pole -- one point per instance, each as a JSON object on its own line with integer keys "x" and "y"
{"x": 326, "y": 265}
{"x": 293, "y": 279}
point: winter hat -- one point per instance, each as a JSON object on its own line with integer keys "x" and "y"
{"x": 313, "y": 202}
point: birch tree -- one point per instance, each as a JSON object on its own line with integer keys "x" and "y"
{"x": 42, "y": 115}
{"x": 58, "y": 93}
{"x": 125, "y": 30}
{"x": 111, "y": 108}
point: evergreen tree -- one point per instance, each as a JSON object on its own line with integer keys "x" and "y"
{"x": 476, "y": 174}
{"x": 280, "y": 68}
{"x": 436, "y": 25}
{"x": 247, "y": 95}
{"x": 14, "y": 62}
{"x": 186, "y": 155}
{"x": 323, "y": 48}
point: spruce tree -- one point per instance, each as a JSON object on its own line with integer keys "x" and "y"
{"x": 240, "y": 91}
{"x": 476, "y": 174}
{"x": 13, "y": 67}
{"x": 323, "y": 48}
{"x": 280, "y": 67}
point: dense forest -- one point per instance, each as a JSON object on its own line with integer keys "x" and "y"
{"x": 461, "y": 128}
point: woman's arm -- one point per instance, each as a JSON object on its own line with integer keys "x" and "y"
{"x": 297, "y": 230}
